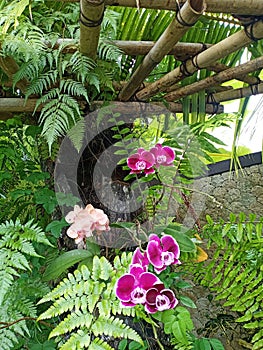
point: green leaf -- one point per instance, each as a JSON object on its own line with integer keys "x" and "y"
{"x": 122, "y": 344}
{"x": 204, "y": 344}
{"x": 56, "y": 226}
{"x": 185, "y": 243}
{"x": 247, "y": 317}
{"x": 187, "y": 301}
{"x": 64, "y": 261}
{"x": 216, "y": 344}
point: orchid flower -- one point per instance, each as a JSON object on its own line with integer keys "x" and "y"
{"x": 163, "y": 155}
{"x": 131, "y": 288}
{"x": 162, "y": 252}
{"x": 159, "y": 299}
{"x": 142, "y": 161}
{"x": 85, "y": 221}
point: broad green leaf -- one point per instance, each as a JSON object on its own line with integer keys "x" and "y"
{"x": 216, "y": 344}
{"x": 64, "y": 261}
{"x": 187, "y": 301}
{"x": 185, "y": 243}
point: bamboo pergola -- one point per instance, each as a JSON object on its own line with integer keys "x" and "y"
{"x": 192, "y": 57}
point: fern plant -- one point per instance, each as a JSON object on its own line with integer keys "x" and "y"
{"x": 235, "y": 271}
{"x": 60, "y": 79}
{"x": 16, "y": 300}
{"x": 86, "y": 306}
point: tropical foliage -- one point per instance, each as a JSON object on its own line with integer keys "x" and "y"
{"x": 59, "y": 294}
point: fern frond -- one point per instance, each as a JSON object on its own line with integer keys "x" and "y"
{"x": 107, "y": 51}
{"x": 76, "y": 134}
{"x": 72, "y": 321}
{"x": 81, "y": 66}
{"x": 114, "y": 327}
{"x": 102, "y": 269}
{"x": 90, "y": 301}
{"x": 41, "y": 83}
{"x": 79, "y": 340}
{"x": 99, "y": 344}
{"x": 73, "y": 88}
{"x": 15, "y": 245}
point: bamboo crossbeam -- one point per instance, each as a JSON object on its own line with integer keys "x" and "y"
{"x": 241, "y": 7}
{"x": 236, "y": 93}
{"x": 181, "y": 51}
{"x": 203, "y": 59}
{"x": 216, "y": 79}
{"x": 135, "y": 107}
{"x": 189, "y": 14}
{"x": 19, "y": 105}
{"x": 91, "y": 15}
{"x": 220, "y": 67}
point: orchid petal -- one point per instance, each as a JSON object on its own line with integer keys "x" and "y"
{"x": 124, "y": 287}
{"x": 170, "y": 244}
{"x": 147, "y": 280}
{"x": 154, "y": 254}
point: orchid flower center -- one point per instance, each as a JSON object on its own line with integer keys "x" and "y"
{"x": 167, "y": 258}
{"x": 162, "y": 302}
{"x": 141, "y": 164}
{"x": 138, "y": 296}
{"x": 161, "y": 159}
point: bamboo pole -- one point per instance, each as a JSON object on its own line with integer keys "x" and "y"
{"x": 15, "y": 105}
{"x": 236, "y": 93}
{"x": 19, "y": 105}
{"x": 204, "y": 59}
{"x": 241, "y": 7}
{"x": 181, "y": 51}
{"x": 220, "y": 67}
{"x": 184, "y": 19}
{"x": 219, "y": 78}
{"x": 91, "y": 15}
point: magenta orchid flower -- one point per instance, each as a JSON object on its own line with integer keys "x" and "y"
{"x": 141, "y": 259}
{"x": 142, "y": 161}
{"x": 159, "y": 299}
{"x": 162, "y": 252}
{"x": 163, "y": 155}
{"x": 132, "y": 287}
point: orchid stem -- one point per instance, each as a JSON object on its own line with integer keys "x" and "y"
{"x": 156, "y": 338}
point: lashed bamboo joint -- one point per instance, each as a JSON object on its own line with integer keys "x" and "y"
{"x": 91, "y": 15}
{"x": 226, "y": 75}
{"x": 203, "y": 59}
{"x": 239, "y": 7}
{"x": 189, "y": 14}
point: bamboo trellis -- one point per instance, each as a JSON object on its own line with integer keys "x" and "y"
{"x": 194, "y": 56}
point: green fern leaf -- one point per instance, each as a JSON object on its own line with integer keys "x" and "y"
{"x": 114, "y": 327}
{"x": 71, "y": 322}
{"x": 99, "y": 344}
{"x": 78, "y": 340}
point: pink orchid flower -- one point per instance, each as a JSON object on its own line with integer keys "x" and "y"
{"x": 85, "y": 221}
{"x": 162, "y": 252}
{"x": 132, "y": 287}
{"x": 72, "y": 215}
{"x": 142, "y": 161}
{"x": 100, "y": 219}
{"x": 159, "y": 299}
{"x": 163, "y": 155}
